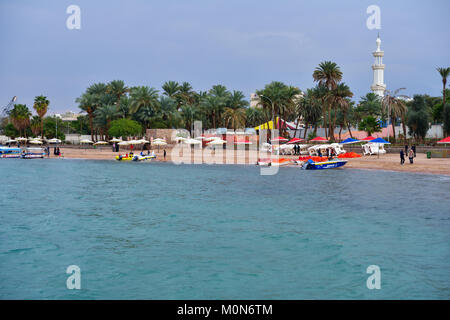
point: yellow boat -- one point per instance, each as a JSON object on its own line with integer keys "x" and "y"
{"x": 125, "y": 157}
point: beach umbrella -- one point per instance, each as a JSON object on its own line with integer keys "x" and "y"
{"x": 115, "y": 140}
{"x": 123, "y": 143}
{"x": 295, "y": 140}
{"x": 33, "y": 141}
{"x": 54, "y": 140}
{"x": 180, "y": 139}
{"x": 192, "y": 141}
{"x": 85, "y": 141}
{"x": 200, "y": 138}
{"x": 350, "y": 140}
{"x": 369, "y": 138}
{"x": 100, "y": 142}
{"x": 319, "y": 139}
{"x": 21, "y": 139}
{"x": 217, "y": 141}
{"x": 11, "y": 141}
{"x": 159, "y": 143}
{"x": 446, "y": 140}
{"x": 211, "y": 138}
{"x": 279, "y": 139}
{"x": 144, "y": 141}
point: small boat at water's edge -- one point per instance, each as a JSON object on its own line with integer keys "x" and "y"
{"x": 331, "y": 164}
{"x": 6, "y": 152}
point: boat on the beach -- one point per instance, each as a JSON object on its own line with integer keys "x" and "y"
{"x": 6, "y": 152}
{"x": 143, "y": 157}
{"x": 33, "y": 153}
{"x": 330, "y": 164}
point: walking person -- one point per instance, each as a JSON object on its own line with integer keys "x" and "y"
{"x": 406, "y": 149}
{"x": 411, "y": 156}
{"x": 402, "y": 157}
{"x": 413, "y": 148}
{"x": 165, "y": 154}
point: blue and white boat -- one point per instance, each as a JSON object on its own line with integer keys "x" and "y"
{"x": 331, "y": 164}
{"x": 33, "y": 153}
{"x": 6, "y": 152}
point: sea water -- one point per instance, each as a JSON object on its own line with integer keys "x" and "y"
{"x": 164, "y": 231}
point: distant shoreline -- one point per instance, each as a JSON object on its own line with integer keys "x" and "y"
{"x": 386, "y": 162}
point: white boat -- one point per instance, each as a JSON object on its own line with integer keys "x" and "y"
{"x": 314, "y": 150}
{"x": 6, "y": 152}
{"x": 33, "y": 153}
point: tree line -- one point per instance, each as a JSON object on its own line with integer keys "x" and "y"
{"x": 114, "y": 109}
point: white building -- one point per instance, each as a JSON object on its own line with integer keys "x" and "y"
{"x": 378, "y": 86}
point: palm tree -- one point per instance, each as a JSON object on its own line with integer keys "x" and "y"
{"x": 171, "y": 89}
{"x": 369, "y": 105}
{"x": 188, "y": 114}
{"x": 328, "y": 74}
{"x": 104, "y": 115}
{"x": 117, "y": 88}
{"x": 340, "y": 96}
{"x": 444, "y": 72}
{"x": 87, "y": 103}
{"x": 395, "y": 108}
{"x": 187, "y": 94}
{"x": 145, "y": 115}
{"x": 370, "y": 125}
{"x": 20, "y": 118}
{"x": 310, "y": 110}
{"x": 41, "y": 106}
{"x": 213, "y": 106}
{"x": 234, "y": 117}
{"x": 255, "y": 116}
{"x": 35, "y": 125}
{"x": 237, "y": 100}
{"x": 168, "y": 109}
{"x": 143, "y": 96}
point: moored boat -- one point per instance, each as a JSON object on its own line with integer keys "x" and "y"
{"x": 6, "y": 152}
{"x": 331, "y": 164}
{"x": 33, "y": 153}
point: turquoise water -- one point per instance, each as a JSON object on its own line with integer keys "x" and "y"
{"x": 161, "y": 231}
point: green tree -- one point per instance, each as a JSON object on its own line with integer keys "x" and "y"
{"x": 87, "y": 103}
{"x": 143, "y": 96}
{"x": 446, "y": 119}
{"x": 36, "y": 125}
{"x": 234, "y": 117}
{"x": 328, "y": 74}
{"x": 124, "y": 128}
{"x": 103, "y": 117}
{"x": 369, "y": 105}
{"x": 255, "y": 116}
{"x": 117, "y": 88}
{"x": 418, "y": 118}
{"x": 444, "y": 72}
{"x": 395, "y": 107}
{"x": 171, "y": 89}
{"x": 41, "y": 106}
{"x": 370, "y": 125}
{"x": 50, "y": 127}
{"x": 20, "y": 118}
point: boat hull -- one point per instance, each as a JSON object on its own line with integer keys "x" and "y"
{"x": 324, "y": 165}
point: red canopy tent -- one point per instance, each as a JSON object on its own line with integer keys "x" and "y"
{"x": 319, "y": 139}
{"x": 243, "y": 142}
{"x": 446, "y": 140}
{"x": 295, "y": 140}
{"x": 279, "y": 139}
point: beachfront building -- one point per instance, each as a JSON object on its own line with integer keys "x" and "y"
{"x": 378, "y": 86}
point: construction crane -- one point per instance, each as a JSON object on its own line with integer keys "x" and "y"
{"x": 8, "y": 107}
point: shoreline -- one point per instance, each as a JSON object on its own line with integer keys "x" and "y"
{"x": 386, "y": 162}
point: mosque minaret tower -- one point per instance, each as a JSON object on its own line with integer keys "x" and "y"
{"x": 378, "y": 86}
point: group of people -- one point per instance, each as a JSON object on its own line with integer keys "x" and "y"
{"x": 411, "y": 154}
{"x": 330, "y": 153}
{"x": 296, "y": 150}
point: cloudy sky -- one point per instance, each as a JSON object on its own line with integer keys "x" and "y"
{"x": 241, "y": 44}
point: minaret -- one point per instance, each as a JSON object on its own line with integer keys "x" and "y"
{"x": 378, "y": 86}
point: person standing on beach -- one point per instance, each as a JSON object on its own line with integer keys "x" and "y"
{"x": 165, "y": 154}
{"x": 413, "y": 148}
{"x": 411, "y": 156}
{"x": 406, "y": 149}
{"x": 402, "y": 157}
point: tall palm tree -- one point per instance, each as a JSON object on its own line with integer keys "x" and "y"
{"x": 104, "y": 115}
{"x": 444, "y": 72}
{"x": 234, "y": 117}
{"x": 310, "y": 109}
{"x": 171, "y": 89}
{"x": 35, "y": 125}
{"x": 188, "y": 114}
{"x": 41, "y": 106}
{"x": 328, "y": 74}
{"x": 395, "y": 107}
{"x": 236, "y": 100}
{"x": 187, "y": 94}
{"x": 255, "y": 116}
{"x": 168, "y": 109}
{"x": 340, "y": 95}
{"x": 213, "y": 106}
{"x": 20, "y": 118}
{"x": 143, "y": 96}
{"x": 87, "y": 103}
{"x": 117, "y": 88}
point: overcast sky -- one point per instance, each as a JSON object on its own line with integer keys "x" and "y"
{"x": 241, "y": 44}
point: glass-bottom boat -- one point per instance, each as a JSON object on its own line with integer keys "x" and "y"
{"x": 6, "y": 152}
{"x": 33, "y": 153}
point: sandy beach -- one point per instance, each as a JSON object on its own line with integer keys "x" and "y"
{"x": 384, "y": 162}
